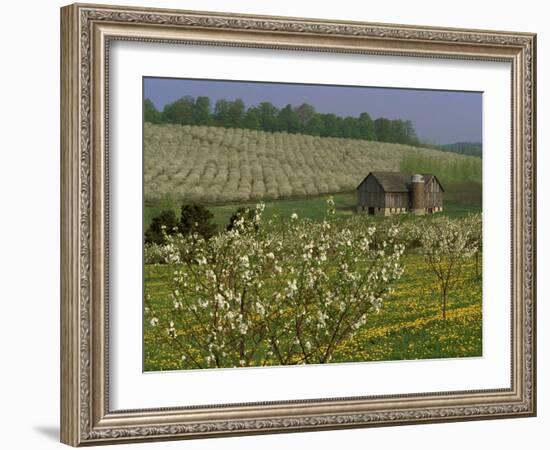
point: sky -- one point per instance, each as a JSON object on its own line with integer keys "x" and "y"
{"x": 439, "y": 117}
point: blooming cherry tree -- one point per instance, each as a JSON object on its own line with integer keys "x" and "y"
{"x": 446, "y": 245}
{"x": 276, "y": 292}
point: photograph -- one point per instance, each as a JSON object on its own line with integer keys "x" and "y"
{"x": 288, "y": 224}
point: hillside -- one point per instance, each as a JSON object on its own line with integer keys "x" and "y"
{"x": 464, "y": 148}
{"x": 216, "y": 165}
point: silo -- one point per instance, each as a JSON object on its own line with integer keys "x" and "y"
{"x": 418, "y": 203}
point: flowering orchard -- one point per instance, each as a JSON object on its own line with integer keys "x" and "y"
{"x": 217, "y": 165}
{"x": 296, "y": 291}
{"x": 288, "y": 293}
{"x": 447, "y": 245}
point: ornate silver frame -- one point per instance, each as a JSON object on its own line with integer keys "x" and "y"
{"x": 86, "y": 31}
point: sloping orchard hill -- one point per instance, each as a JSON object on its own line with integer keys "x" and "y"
{"x": 219, "y": 165}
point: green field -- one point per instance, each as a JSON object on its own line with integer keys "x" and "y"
{"x": 313, "y": 208}
{"x": 409, "y": 325}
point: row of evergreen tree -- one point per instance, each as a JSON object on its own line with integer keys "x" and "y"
{"x": 265, "y": 116}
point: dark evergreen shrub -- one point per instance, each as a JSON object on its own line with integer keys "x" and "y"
{"x": 166, "y": 219}
{"x": 196, "y": 219}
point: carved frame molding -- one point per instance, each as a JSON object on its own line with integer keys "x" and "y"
{"x": 86, "y": 32}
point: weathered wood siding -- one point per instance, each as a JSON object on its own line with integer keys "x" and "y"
{"x": 397, "y": 200}
{"x": 371, "y": 194}
{"x": 433, "y": 194}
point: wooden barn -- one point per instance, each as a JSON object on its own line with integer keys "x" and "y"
{"x": 395, "y": 192}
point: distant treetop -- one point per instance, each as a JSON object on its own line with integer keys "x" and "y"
{"x": 301, "y": 119}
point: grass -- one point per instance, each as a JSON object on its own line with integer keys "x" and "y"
{"x": 408, "y": 327}
{"x": 310, "y": 207}
{"x": 313, "y": 208}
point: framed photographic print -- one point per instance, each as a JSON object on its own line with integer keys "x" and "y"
{"x": 275, "y": 224}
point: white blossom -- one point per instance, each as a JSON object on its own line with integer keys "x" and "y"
{"x": 239, "y": 283}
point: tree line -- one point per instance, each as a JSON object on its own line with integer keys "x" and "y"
{"x": 302, "y": 119}
{"x": 463, "y": 148}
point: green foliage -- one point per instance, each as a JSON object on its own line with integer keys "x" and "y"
{"x": 150, "y": 112}
{"x": 180, "y": 112}
{"x": 291, "y": 119}
{"x": 305, "y": 113}
{"x": 463, "y": 148}
{"x": 350, "y": 128}
{"x": 196, "y": 219}
{"x": 398, "y": 131}
{"x": 461, "y": 177}
{"x": 201, "y": 111}
{"x": 402, "y": 132}
{"x": 383, "y": 129}
{"x": 221, "y": 112}
{"x": 460, "y": 148}
{"x": 315, "y": 127}
{"x": 235, "y": 114}
{"x": 268, "y": 116}
{"x": 366, "y": 127}
{"x": 288, "y": 120}
{"x": 331, "y": 125}
{"x": 162, "y": 225}
{"x": 251, "y": 119}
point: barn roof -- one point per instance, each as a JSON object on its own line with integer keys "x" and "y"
{"x": 397, "y": 181}
{"x": 393, "y": 181}
{"x": 428, "y": 177}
